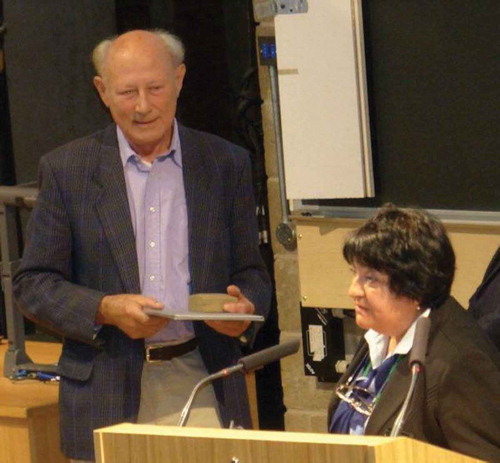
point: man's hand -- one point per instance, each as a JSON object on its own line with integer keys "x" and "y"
{"x": 242, "y": 305}
{"x": 126, "y": 311}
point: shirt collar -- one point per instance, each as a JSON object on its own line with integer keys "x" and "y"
{"x": 127, "y": 153}
{"x": 377, "y": 343}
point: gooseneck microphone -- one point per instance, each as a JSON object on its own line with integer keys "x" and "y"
{"x": 417, "y": 362}
{"x": 244, "y": 365}
{"x": 263, "y": 357}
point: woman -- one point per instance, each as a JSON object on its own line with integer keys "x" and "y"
{"x": 403, "y": 267}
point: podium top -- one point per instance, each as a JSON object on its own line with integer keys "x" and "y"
{"x": 125, "y": 442}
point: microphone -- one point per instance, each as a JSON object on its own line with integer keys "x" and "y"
{"x": 263, "y": 357}
{"x": 419, "y": 348}
{"x": 244, "y": 365}
{"x": 416, "y": 361}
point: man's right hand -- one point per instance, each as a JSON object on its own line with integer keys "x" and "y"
{"x": 126, "y": 311}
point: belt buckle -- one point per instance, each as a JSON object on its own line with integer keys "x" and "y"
{"x": 150, "y": 347}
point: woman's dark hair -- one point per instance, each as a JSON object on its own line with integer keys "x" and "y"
{"x": 410, "y": 246}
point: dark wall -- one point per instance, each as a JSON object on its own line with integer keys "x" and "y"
{"x": 433, "y": 70}
{"x": 49, "y": 74}
{"x": 7, "y": 174}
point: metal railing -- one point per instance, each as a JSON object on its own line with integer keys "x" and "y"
{"x": 13, "y": 198}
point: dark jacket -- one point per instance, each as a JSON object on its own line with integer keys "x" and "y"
{"x": 81, "y": 246}
{"x": 484, "y": 305}
{"x": 457, "y": 400}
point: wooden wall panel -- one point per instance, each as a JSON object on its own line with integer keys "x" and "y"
{"x": 324, "y": 276}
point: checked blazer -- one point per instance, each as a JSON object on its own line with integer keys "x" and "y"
{"x": 81, "y": 246}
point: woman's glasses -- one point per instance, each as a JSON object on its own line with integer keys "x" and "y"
{"x": 359, "y": 398}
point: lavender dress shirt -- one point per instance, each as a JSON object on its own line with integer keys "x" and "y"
{"x": 158, "y": 209}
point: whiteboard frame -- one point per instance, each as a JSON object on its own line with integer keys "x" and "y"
{"x": 324, "y": 102}
{"x": 455, "y": 216}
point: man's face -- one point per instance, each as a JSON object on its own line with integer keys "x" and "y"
{"x": 140, "y": 86}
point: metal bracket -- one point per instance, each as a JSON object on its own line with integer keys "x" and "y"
{"x": 12, "y": 198}
{"x": 285, "y": 231}
{"x": 264, "y": 9}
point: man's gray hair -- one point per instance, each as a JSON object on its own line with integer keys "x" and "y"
{"x": 173, "y": 43}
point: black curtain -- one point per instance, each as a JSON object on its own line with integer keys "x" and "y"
{"x": 7, "y": 173}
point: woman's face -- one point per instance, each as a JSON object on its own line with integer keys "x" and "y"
{"x": 377, "y": 307}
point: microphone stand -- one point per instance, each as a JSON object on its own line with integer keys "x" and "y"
{"x": 398, "y": 424}
{"x": 245, "y": 364}
{"x": 220, "y": 374}
{"x": 417, "y": 360}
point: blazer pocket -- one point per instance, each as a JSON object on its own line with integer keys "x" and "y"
{"x": 76, "y": 360}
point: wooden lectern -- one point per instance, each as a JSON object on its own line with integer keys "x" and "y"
{"x": 133, "y": 443}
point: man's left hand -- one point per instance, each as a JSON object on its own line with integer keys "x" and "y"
{"x": 242, "y": 305}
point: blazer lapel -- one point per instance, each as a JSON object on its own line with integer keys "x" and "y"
{"x": 114, "y": 213}
{"x": 390, "y": 401}
{"x": 202, "y": 205}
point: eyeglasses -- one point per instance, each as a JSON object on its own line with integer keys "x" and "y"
{"x": 359, "y": 398}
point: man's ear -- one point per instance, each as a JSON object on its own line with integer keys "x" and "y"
{"x": 180, "y": 72}
{"x": 101, "y": 88}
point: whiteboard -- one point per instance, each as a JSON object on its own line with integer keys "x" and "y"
{"x": 324, "y": 115}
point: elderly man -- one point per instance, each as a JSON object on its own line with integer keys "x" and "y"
{"x": 141, "y": 215}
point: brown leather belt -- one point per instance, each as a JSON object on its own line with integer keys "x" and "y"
{"x": 159, "y": 352}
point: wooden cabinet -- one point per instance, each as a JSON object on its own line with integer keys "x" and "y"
{"x": 29, "y": 414}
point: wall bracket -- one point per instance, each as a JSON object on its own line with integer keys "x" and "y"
{"x": 265, "y": 9}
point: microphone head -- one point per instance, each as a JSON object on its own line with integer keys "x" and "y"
{"x": 263, "y": 357}
{"x": 419, "y": 348}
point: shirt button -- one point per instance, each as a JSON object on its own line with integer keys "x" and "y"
{"x": 152, "y": 209}
{"x": 152, "y": 244}
{"x": 152, "y": 278}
